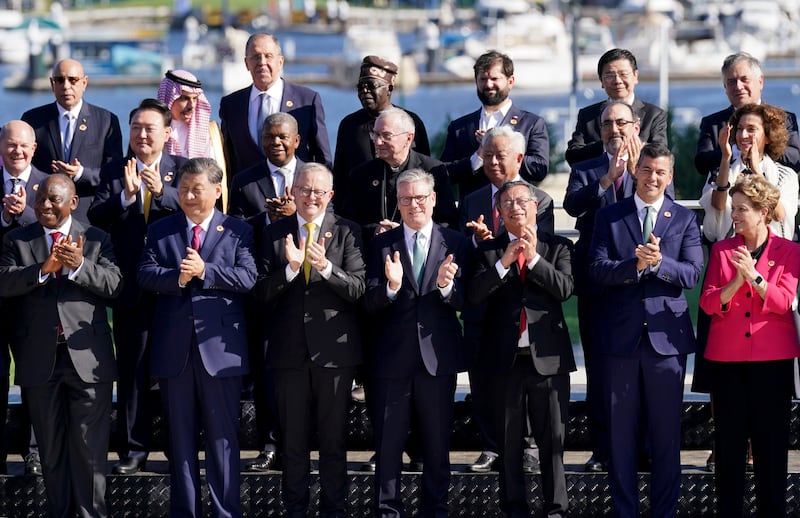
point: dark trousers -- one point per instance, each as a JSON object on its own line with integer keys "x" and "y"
{"x": 752, "y": 399}
{"x": 3, "y": 413}
{"x": 314, "y": 397}
{"x": 72, "y": 421}
{"x": 194, "y": 401}
{"x": 394, "y": 401}
{"x": 652, "y": 383}
{"x": 598, "y": 431}
{"x": 519, "y": 393}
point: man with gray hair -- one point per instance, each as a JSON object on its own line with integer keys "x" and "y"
{"x": 743, "y": 81}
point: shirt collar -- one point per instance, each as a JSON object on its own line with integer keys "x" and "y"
{"x": 275, "y": 91}
{"x": 641, "y": 204}
{"x": 203, "y": 224}
{"x": 301, "y": 221}
{"x": 75, "y": 111}
{"x": 627, "y": 100}
{"x": 426, "y": 231}
{"x": 495, "y": 188}
{"x": 503, "y": 110}
{"x": 64, "y": 229}
{"x": 291, "y": 166}
{"x": 141, "y": 165}
{"x": 24, "y": 175}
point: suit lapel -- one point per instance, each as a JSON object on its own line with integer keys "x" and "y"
{"x": 265, "y": 185}
{"x": 399, "y": 245}
{"x": 664, "y": 218}
{"x": 436, "y": 254}
{"x": 39, "y": 247}
{"x": 54, "y": 132}
{"x": 83, "y": 121}
{"x": 213, "y": 235}
{"x": 632, "y": 221}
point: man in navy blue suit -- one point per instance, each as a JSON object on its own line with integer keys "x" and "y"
{"x": 133, "y": 193}
{"x": 74, "y": 137}
{"x": 494, "y": 79}
{"x": 414, "y": 288}
{"x": 200, "y": 264}
{"x": 645, "y": 251}
{"x": 242, "y": 113}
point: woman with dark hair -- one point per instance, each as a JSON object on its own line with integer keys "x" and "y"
{"x": 749, "y": 291}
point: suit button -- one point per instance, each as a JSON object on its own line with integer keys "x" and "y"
{"x": 747, "y": 334}
{"x": 749, "y": 295}
{"x": 747, "y": 314}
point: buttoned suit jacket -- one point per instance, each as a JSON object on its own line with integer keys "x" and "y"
{"x": 127, "y": 225}
{"x": 317, "y": 320}
{"x": 97, "y": 141}
{"x": 79, "y": 304}
{"x": 28, "y": 216}
{"x": 628, "y": 303}
{"x": 302, "y": 103}
{"x": 250, "y": 189}
{"x": 480, "y": 203}
{"x": 587, "y": 143}
{"x": 461, "y": 144}
{"x": 211, "y": 310}
{"x": 708, "y": 154}
{"x": 418, "y": 327}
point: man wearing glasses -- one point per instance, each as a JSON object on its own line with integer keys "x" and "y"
{"x": 74, "y": 137}
{"x": 354, "y": 146}
{"x": 619, "y": 76}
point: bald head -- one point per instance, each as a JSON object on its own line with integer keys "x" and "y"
{"x": 17, "y": 144}
{"x": 68, "y": 82}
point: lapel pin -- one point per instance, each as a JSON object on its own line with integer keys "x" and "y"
{"x": 375, "y": 183}
{"x": 513, "y": 120}
{"x": 771, "y": 263}
{"x": 36, "y": 187}
{"x": 289, "y": 104}
{"x": 82, "y": 127}
{"x": 328, "y": 235}
{"x": 168, "y": 178}
{"x": 220, "y": 228}
{"x": 667, "y": 214}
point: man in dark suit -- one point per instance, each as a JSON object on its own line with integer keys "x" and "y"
{"x": 522, "y": 277}
{"x": 372, "y": 194}
{"x": 645, "y": 251}
{"x": 414, "y": 289}
{"x": 59, "y": 274}
{"x": 743, "y": 81}
{"x": 354, "y": 145}
{"x": 312, "y": 267}
{"x": 502, "y": 151}
{"x": 494, "y": 79}
{"x": 74, "y": 137}
{"x": 200, "y": 264}
{"x": 619, "y": 75}
{"x": 133, "y": 193}
{"x": 242, "y": 113}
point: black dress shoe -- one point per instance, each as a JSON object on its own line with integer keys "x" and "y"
{"x": 267, "y": 460}
{"x": 594, "y": 466}
{"x": 530, "y": 464}
{"x": 484, "y": 463}
{"x": 33, "y": 466}
{"x": 415, "y": 466}
{"x": 129, "y": 465}
{"x": 369, "y": 466}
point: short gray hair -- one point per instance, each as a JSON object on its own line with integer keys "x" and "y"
{"x": 404, "y": 120}
{"x": 416, "y": 175}
{"x": 313, "y": 167}
{"x": 516, "y": 138}
{"x": 734, "y": 59}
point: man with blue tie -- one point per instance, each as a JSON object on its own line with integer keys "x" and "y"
{"x": 645, "y": 251}
{"x": 414, "y": 289}
{"x": 200, "y": 264}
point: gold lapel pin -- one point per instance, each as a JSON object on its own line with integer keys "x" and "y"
{"x": 220, "y": 228}
{"x": 513, "y": 120}
{"x": 82, "y": 127}
{"x": 328, "y": 235}
{"x": 771, "y": 263}
{"x": 168, "y": 178}
{"x": 289, "y": 104}
{"x": 36, "y": 187}
{"x": 667, "y": 214}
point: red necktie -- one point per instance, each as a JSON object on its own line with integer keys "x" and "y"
{"x": 56, "y": 237}
{"x": 523, "y": 270}
{"x": 196, "y": 237}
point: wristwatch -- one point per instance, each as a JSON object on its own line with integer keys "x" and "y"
{"x": 722, "y": 188}
{"x": 757, "y": 281}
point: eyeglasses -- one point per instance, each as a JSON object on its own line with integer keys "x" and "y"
{"x": 610, "y": 76}
{"x": 385, "y": 135}
{"x": 305, "y": 192}
{"x": 61, "y": 79}
{"x": 519, "y": 202}
{"x": 406, "y": 200}
{"x": 370, "y": 86}
{"x": 621, "y": 123}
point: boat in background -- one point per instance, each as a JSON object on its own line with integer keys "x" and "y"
{"x": 19, "y": 33}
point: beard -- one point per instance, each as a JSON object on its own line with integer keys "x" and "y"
{"x": 492, "y": 99}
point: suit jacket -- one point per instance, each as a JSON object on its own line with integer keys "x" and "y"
{"x": 300, "y": 102}
{"x": 654, "y": 302}
{"x": 372, "y": 195}
{"x": 96, "y": 142}
{"x": 586, "y": 141}
{"x": 79, "y": 304}
{"x": 28, "y": 216}
{"x": 250, "y": 188}
{"x": 461, "y": 144}
{"x": 317, "y": 320}
{"x": 480, "y": 203}
{"x": 354, "y": 146}
{"x": 750, "y": 328}
{"x": 708, "y": 154}
{"x": 418, "y": 328}
{"x": 126, "y": 225}
{"x": 546, "y": 286}
{"x": 208, "y": 313}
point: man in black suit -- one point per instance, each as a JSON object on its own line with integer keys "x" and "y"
{"x": 242, "y": 113}
{"x": 372, "y": 195}
{"x": 59, "y": 274}
{"x": 133, "y": 193}
{"x": 522, "y": 277}
{"x": 312, "y": 267}
{"x": 619, "y": 75}
{"x": 74, "y": 137}
{"x": 414, "y": 289}
{"x": 354, "y": 145}
{"x": 743, "y": 81}
{"x": 494, "y": 79}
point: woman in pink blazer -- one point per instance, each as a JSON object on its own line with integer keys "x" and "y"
{"x": 749, "y": 291}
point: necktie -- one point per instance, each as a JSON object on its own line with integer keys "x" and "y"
{"x": 306, "y": 265}
{"x": 495, "y": 217}
{"x": 263, "y": 113}
{"x": 418, "y": 260}
{"x": 647, "y": 225}
{"x": 147, "y": 198}
{"x": 523, "y": 271}
{"x": 618, "y": 188}
{"x": 281, "y": 181}
{"x": 69, "y": 130}
{"x": 196, "y": 237}
{"x": 15, "y": 182}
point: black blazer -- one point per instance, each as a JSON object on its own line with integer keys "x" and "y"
{"x": 250, "y": 189}
{"x": 317, "y": 320}
{"x": 480, "y": 202}
{"x": 28, "y": 216}
{"x": 586, "y": 142}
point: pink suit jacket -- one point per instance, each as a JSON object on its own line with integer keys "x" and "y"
{"x": 751, "y": 328}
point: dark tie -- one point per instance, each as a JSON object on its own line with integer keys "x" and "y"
{"x": 263, "y": 113}
{"x": 619, "y": 188}
{"x": 15, "y": 183}
{"x": 196, "y": 237}
{"x": 523, "y": 271}
{"x": 69, "y": 131}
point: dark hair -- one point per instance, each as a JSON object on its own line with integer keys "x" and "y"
{"x": 654, "y": 150}
{"x": 156, "y": 106}
{"x": 774, "y": 122}
{"x": 278, "y": 118}
{"x": 510, "y": 185}
{"x": 490, "y": 59}
{"x": 615, "y": 55}
{"x": 202, "y": 165}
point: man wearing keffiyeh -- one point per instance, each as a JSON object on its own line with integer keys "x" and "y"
{"x": 181, "y": 91}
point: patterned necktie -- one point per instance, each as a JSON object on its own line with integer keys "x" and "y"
{"x": 281, "y": 180}
{"x": 310, "y": 226}
{"x": 196, "y": 237}
{"x": 647, "y": 226}
{"x": 15, "y": 183}
{"x": 418, "y": 260}
{"x": 263, "y": 113}
{"x": 523, "y": 272}
{"x": 69, "y": 131}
